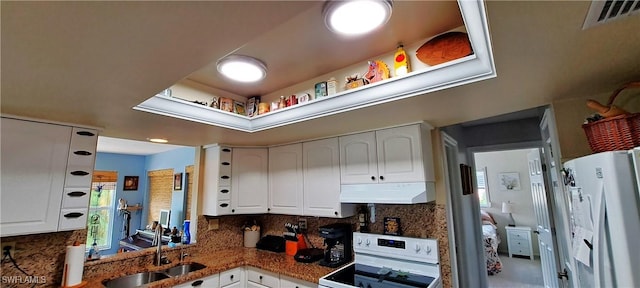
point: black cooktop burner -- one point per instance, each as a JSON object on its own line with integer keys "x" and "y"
{"x": 359, "y": 275}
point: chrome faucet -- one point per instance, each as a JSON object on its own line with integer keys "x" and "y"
{"x": 183, "y": 254}
{"x": 157, "y": 241}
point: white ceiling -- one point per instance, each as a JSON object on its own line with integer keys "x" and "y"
{"x": 131, "y": 147}
{"x": 90, "y": 62}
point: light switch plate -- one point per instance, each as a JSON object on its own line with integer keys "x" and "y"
{"x": 302, "y": 224}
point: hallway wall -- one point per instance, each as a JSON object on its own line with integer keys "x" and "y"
{"x": 509, "y": 161}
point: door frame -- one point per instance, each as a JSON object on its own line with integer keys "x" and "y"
{"x": 467, "y": 260}
{"x": 449, "y": 142}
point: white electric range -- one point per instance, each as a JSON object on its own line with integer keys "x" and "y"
{"x": 389, "y": 262}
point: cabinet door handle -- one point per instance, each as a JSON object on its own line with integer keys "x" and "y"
{"x": 335, "y": 213}
{"x": 73, "y": 215}
{"x": 260, "y": 277}
{"x": 231, "y": 277}
{"x": 226, "y": 163}
{"x": 224, "y": 205}
{"x": 381, "y": 177}
{"x": 79, "y": 173}
{"x": 76, "y": 194}
{"x": 536, "y": 232}
{"x": 373, "y": 178}
{"x": 224, "y": 177}
{"x": 82, "y": 153}
{"x": 224, "y": 191}
{"x": 233, "y": 210}
{"x": 197, "y": 283}
{"x": 226, "y": 150}
{"x": 268, "y": 209}
{"x": 85, "y": 133}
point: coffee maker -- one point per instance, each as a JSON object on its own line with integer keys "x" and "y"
{"x": 338, "y": 244}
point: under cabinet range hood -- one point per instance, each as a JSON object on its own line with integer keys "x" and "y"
{"x": 389, "y": 193}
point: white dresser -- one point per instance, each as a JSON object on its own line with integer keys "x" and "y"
{"x": 519, "y": 241}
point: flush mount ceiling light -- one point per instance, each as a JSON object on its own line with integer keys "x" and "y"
{"x": 356, "y": 17}
{"x": 158, "y": 140}
{"x": 242, "y": 68}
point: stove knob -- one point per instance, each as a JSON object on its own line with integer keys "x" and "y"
{"x": 368, "y": 242}
{"x": 359, "y": 241}
{"x": 428, "y": 249}
{"x": 360, "y": 285}
{"x": 417, "y": 248}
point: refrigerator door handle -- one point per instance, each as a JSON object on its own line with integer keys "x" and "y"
{"x": 598, "y": 240}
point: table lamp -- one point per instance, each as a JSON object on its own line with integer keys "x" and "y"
{"x": 507, "y": 207}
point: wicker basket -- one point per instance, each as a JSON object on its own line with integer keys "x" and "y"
{"x": 616, "y": 133}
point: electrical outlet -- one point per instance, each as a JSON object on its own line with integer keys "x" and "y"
{"x": 213, "y": 224}
{"x": 12, "y": 248}
{"x": 302, "y": 224}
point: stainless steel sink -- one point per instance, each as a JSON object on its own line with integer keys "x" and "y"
{"x": 184, "y": 269}
{"x": 135, "y": 280}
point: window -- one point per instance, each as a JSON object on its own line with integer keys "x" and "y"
{"x": 483, "y": 187}
{"x": 100, "y": 220}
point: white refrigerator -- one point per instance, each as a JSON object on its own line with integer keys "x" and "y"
{"x": 605, "y": 218}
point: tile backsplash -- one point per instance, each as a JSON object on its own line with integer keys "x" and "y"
{"x": 43, "y": 254}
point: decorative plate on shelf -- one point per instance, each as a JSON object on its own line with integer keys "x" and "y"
{"x": 444, "y": 48}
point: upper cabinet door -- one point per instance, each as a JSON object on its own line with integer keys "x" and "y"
{"x": 285, "y": 179}
{"x": 34, "y": 161}
{"x": 399, "y": 153}
{"x": 358, "y": 160}
{"x": 322, "y": 178}
{"x": 250, "y": 180}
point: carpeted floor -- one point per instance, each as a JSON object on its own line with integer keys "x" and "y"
{"x": 517, "y": 273}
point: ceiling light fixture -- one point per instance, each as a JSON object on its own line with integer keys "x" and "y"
{"x": 356, "y": 17}
{"x": 242, "y": 68}
{"x": 158, "y": 140}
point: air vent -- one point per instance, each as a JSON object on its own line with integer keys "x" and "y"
{"x": 606, "y": 11}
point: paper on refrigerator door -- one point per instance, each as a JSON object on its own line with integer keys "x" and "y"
{"x": 582, "y": 251}
{"x": 583, "y": 226}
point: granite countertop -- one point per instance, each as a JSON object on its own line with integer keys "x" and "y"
{"x": 228, "y": 259}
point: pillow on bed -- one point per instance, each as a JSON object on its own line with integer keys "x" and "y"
{"x": 486, "y": 217}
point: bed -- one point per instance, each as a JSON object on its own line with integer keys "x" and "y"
{"x": 490, "y": 239}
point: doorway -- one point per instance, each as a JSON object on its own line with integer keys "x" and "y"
{"x": 518, "y": 130}
{"x": 505, "y": 194}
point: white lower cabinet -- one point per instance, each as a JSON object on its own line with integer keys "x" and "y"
{"x": 260, "y": 278}
{"x": 232, "y": 278}
{"x": 289, "y": 282}
{"x": 255, "y": 285}
{"x": 248, "y": 276}
{"x": 208, "y": 282}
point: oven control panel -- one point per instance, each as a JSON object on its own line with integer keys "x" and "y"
{"x": 418, "y": 249}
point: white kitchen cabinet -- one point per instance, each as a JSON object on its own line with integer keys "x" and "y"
{"x": 216, "y": 199}
{"x": 260, "y": 278}
{"x": 322, "y": 180}
{"x": 209, "y": 281}
{"x": 393, "y": 155}
{"x": 256, "y": 285}
{"x": 285, "y": 179}
{"x": 249, "y": 181}
{"x": 232, "y": 278}
{"x": 46, "y": 176}
{"x": 78, "y": 178}
{"x": 289, "y": 282}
